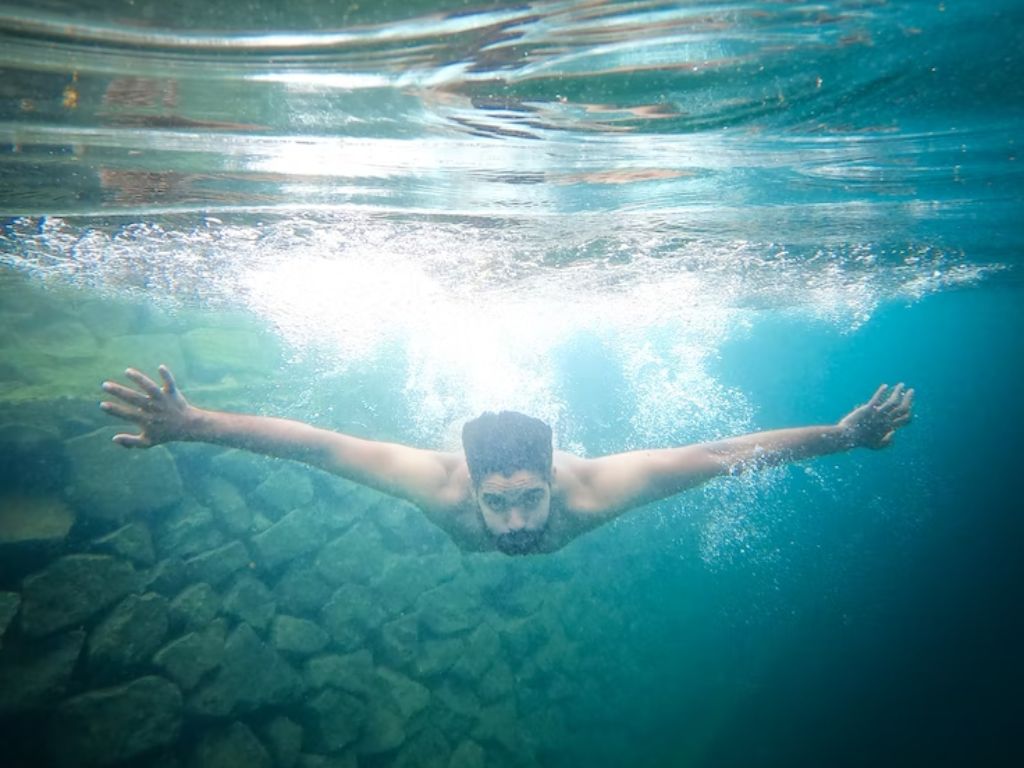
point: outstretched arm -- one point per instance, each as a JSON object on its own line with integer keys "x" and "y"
{"x": 603, "y": 488}
{"x": 164, "y": 415}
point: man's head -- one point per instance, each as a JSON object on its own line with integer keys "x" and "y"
{"x": 510, "y": 464}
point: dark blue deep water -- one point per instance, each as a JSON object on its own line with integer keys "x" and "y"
{"x": 648, "y": 223}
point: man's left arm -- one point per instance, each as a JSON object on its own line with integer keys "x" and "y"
{"x": 603, "y": 488}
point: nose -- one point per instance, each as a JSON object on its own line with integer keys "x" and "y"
{"x": 516, "y": 522}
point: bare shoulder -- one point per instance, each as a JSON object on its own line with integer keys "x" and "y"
{"x": 571, "y": 486}
{"x": 455, "y": 491}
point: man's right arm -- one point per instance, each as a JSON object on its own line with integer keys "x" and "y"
{"x": 163, "y": 415}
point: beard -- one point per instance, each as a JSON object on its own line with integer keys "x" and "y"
{"x": 518, "y": 542}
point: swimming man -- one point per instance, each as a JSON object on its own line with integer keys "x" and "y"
{"x": 508, "y": 490}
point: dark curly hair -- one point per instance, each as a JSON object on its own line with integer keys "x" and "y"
{"x": 506, "y": 442}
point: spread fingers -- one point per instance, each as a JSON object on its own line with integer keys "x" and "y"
{"x": 145, "y": 383}
{"x": 130, "y": 396}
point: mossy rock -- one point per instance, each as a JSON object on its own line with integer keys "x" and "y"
{"x": 214, "y": 353}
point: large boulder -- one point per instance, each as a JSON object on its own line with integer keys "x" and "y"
{"x": 195, "y": 606}
{"x": 351, "y": 614}
{"x": 468, "y": 754}
{"x": 253, "y": 675}
{"x": 217, "y": 565}
{"x": 132, "y": 542}
{"x": 301, "y": 590}
{"x": 213, "y": 353}
{"x": 352, "y": 672}
{"x": 99, "y": 470}
{"x": 249, "y": 600}
{"x": 427, "y": 749}
{"x": 450, "y": 608}
{"x": 35, "y": 675}
{"x": 403, "y": 694}
{"x": 71, "y": 590}
{"x": 333, "y": 719}
{"x": 297, "y": 533}
{"x": 399, "y": 643}
{"x": 187, "y": 659}
{"x": 33, "y": 529}
{"x": 33, "y": 521}
{"x": 145, "y": 351}
{"x": 129, "y": 636}
{"x": 33, "y": 459}
{"x": 285, "y": 489}
{"x": 225, "y": 500}
{"x": 383, "y": 731}
{"x": 187, "y": 530}
{"x": 483, "y": 646}
{"x": 298, "y": 637}
{"x": 232, "y": 746}
{"x": 353, "y": 557}
{"x": 167, "y": 577}
{"x": 116, "y": 724}
{"x": 283, "y": 738}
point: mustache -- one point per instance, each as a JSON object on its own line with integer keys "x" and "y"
{"x": 518, "y": 542}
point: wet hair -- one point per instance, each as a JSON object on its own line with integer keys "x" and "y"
{"x": 506, "y": 442}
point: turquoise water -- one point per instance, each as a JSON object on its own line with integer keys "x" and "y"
{"x": 647, "y": 223}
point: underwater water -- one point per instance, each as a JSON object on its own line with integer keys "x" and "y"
{"x": 647, "y": 223}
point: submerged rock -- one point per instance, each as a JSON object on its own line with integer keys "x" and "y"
{"x": 187, "y": 659}
{"x": 450, "y": 608}
{"x": 71, "y": 590}
{"x": 405, "y": 695}
{"x": 130, "y": 635}
{"x": 110, "y": 483}
{"x": 468, "y": 754}
{"x": 33, "y": 521}
{"x": 225, "y": 500}
{"x": 113, "y": 725}
{"x": 233, "y": 746}
{"x": 33, "y": 459}
{"x": 301, "y": 590}
{"x": 285, "y": 489}
{"x": 300, "y": 637}
{"x": 250, "y": 601}
{"x": 187, "y": 530}
{"x": 9, "y": 602}
{"x": 166, "y": 577}
{"x": 218, "y": 564}
{"x": 243, "y": 468}
{"x": 65, "y": 340}
{"x": 437, "y": 656}
{"x": 252, "y": 675}
{"x": 299, "y": 532}
{"x": 482, "y": 649}
{"x": 213, "y": 353}
{"x": 400, "y": 641}
{"x": 132, "y": 542}
{"x": 427, "y": 749}
{"x": 334, "y": 719}
{"x": 351, "y": 614}
{"x": 353, "y": 557}
{"x": 352, "y": 672}
{"x": 283, "y": 737}
{"x": 195, "y": 606}
{"x": 35, "y": 675}
{"x": 383, "y": 731}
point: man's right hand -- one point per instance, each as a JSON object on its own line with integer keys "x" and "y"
{"x": 163, "y": 414}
